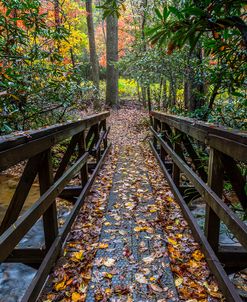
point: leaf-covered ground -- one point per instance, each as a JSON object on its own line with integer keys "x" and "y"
{"x": 130, "y": 241}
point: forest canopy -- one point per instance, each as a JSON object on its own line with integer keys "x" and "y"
{"x": 60, "y": 57}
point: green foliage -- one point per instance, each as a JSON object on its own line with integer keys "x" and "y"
{"x": 36, "y": 87}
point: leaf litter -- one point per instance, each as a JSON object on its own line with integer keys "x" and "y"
{"x": 72, "y": 275}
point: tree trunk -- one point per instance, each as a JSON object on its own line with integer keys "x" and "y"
{"x": 164, "y": 102}
{"x": 92, "y": 45}
{"x": 111, "y": 59}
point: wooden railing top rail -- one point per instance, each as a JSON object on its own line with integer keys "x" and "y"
{"x": 15, "y": 148}
{"x": 229, "y": 141}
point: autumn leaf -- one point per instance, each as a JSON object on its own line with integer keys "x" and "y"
{"x": 141, "y": 278}
{"x": 75, "y": 297}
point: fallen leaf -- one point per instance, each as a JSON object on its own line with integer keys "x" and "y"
{"x": 148, "y": 259}
{"x": 178, "y": 281}
{"x": 103, "y": 245}
{"x": 156, "y": 288}
{"x": 108, "y": 262}
{"x": 141, "y": 278}
{"x": 76, "y": 297}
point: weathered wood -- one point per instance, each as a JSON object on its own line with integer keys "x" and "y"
{"x": 26, "y": 146}
{"x": 21, "y": 193}
{"x": 26, "y": 256}
{"x": 225, "y": 284}
{"x": 238, "y": 228}
{"x": 233, "y": 257}
{"x": 50, "y": 215}
{"x": 37, "y": 284}
{"x": 14, "y": 233}
{"x": 215, "y": 181}
{"x": 219, "y": 138}
{"x": 70, "y": 193}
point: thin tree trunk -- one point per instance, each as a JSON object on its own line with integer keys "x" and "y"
{"x": 164, "y": 95}
{"x": 111, "y": 59}
{"x": 92, "y": 45}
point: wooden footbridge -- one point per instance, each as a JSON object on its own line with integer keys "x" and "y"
{"x": 173, "y": 144}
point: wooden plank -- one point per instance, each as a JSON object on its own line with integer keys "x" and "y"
{"x": 50, "y": 215}
{"x": 26, "y": 256}
{"x": 215, "y": 181}
{"x": 21, "y": 193}
{"x": 70, "y": 192}
{"x": 235, "y": 225}
{"x": 229, "y": 147}
{"x": 209, "y": 134}
{"x": 30, "y": 147}
{"x": 13, "y": 234}
{"x": 233, "y": 257}
{"x": 225, "y": 284}
{"x": 38, "y": 282}
{"x": 10, "y": 141}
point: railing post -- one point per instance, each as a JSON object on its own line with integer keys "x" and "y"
{"x": 215, "y": 181}
{"x": 50, "y": 216}
{"x": 82, "y": 150}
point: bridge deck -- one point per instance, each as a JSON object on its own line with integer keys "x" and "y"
{"x": 130, "y": 241}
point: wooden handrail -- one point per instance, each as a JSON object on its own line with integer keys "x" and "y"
{"x": 218, "y": 137}
{"x": 14, "y": 149}
{"x": 36, "y": 148}
{"x": 174, "y": 141}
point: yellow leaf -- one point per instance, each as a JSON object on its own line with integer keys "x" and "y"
{"x": 107, "y": 275}
{"x": 76, "y": 297}
{"x": 107, "y": 223}
{"x": 59, "y": 286}
{"x": 172, "y": 241}
{"x": 197, "y": 255}
{"x": 179, "y": 281}
{"x": 108, "y": 291}
{"x": 103, "y": 245}
{"x": 77, "y": 256}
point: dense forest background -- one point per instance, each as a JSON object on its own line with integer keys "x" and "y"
{"x": 60, "y": 58}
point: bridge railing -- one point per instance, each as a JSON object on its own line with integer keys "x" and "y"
{"x": 174, "y": 141}
{"x": 87, "y": 141}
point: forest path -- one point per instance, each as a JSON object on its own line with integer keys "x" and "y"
{"x": 130, "y": 241}
{"x": 132, "y": 260}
